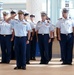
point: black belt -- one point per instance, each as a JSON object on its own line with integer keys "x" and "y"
{"x": 43, "y": 34}
{"x": 20, "y": 36}
{"x": 5, "y": 35}
{"x": 67, "y": 34}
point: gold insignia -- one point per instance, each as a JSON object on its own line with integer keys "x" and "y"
{"x": 38, "y": 22}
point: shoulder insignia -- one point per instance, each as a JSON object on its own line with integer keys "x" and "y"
{"x": 38, "y": 21}
{"x": 60, "y": 19}
{"x": 15, "y": 19}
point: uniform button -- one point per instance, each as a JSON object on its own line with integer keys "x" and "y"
{"x": 42, "y": 34}
{"x": 66, "y": 34}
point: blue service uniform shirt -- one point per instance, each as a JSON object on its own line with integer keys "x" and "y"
{"x": 33, "y": 25}
{"x": 5, "y": 28}
{"x": 65, "y": 25}
{"x": 21, "y": 28}
{"x": 29, "y": 26}
{"x": 44, "y": 27}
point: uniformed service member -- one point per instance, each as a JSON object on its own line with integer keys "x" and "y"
{"x": 12, "y": 45}
{"x": 33, "y": 38}
{"x": 43, "y": 29}
{"x": 65, "y": 35}
{"x": 59, "y": 42}
{"x": 6, "y": 38}
{"x": 0, "y": 34}
{"x": 21, "y": 29}
{"x": 52, "y": 39}
{"x": 26, "y": 16}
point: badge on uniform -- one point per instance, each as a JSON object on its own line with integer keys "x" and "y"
{"x": 24, "y": 23}
{"x": 46, "y": 24}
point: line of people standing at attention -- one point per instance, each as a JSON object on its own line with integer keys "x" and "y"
{"x": 19, "y": 36}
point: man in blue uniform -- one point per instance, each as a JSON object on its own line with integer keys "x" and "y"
{"x": 59, "y": 43}
{"x": 21, "y": 29}
{"x": 52, "y": 39}
{"x": 33, "y": 38}
{"x": 65, "y": 35}
{"x": 26, "y": 16}
{"x": 12, "y": 45}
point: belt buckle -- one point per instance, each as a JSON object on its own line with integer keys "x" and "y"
{"x": 42, "y": 34}
{"x": 66, "y": 34}
{"x": 4, "y": 35}
{"x": 19, "y": 36}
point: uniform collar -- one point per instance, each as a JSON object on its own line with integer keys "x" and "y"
{"x": 21, "y": 20}
{"x": 33, "y": 21}
{"x": 26, "y": 20}
{"x": 65, "y": 19}
{"x": 44, "y": 21}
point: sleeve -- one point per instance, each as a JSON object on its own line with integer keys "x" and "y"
{"x": 52, "y": 27}
{"x": 32, "y": 25}
{"x": 12, "y": 23}
{"x": 73, "y": 23}
{"x": 36, "y": 27}
{"x": 58, "y": 25}
{"x": 28, "y": 27}
{"x": 0, "y": 25}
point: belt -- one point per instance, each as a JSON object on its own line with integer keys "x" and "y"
{"x": 43, "y": 34}
{"x": 66, "y": 34}
{"x": 20, "y": 36}
{"x": 5, "y": 35}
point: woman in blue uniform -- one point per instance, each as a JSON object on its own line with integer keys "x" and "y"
{"x": 43, "y": 29}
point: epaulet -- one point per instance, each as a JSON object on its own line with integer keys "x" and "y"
{"x": 38, "y": 21}
{"x": 15, "y": 19}
{"x": 0, "y": 19}
{"x": 28, "y": 21}
{"x": 60, "y": 19}
{"x": 70, "y": 18}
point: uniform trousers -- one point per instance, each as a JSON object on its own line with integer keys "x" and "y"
{"x": 20, "y": 51}
{"x": 67, "y": 47}
{"x": 44, "y": 47}
{"x": 6, "y": 48}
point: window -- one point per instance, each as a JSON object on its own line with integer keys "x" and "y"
{"x": 46, "y": 6}
{"x": 67, "y": 4}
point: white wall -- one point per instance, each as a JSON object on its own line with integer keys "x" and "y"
{"x": 15, "y": 6}
{"x": 13, "y": 1}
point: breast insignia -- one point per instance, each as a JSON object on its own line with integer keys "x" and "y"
{"x": 24, "y": 23}
{"x": 38, "y": 21}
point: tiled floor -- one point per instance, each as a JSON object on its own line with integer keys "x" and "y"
{"x": 53, "y": 68}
